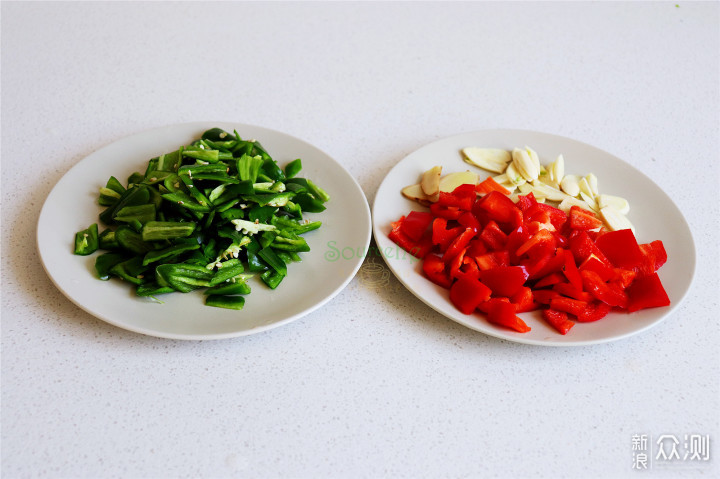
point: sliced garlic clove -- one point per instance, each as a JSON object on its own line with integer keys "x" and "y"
{"x": 593, "y": 183}
{"x": 615, "y": 220}
{"x": 513, "y": 175}
{"x": 569, "y": 185}
{"x": 449, "y": 182}
{"x": 534, "y": 158}
{"x": 591, "y": 203}
{"x": 547, "y": 191}
{"x": 569, "y": 202}
{"x": 524, "y": 165}
{"x": 491, "y": 159}
{"x": 585, "y": 188}
{"x": 503, "y": 181}
{"x": 558, "y": 169}
{"x": 620, "y": 204}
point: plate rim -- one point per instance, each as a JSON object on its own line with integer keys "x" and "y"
{"x": 515, "y": 336}
{"x": 366, "y": 216}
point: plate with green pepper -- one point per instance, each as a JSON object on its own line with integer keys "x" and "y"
{"x": 203, "y": 231}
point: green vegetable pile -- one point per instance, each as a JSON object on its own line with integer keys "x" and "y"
{"x": 209, "y": 215}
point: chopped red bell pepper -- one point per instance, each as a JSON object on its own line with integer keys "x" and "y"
{"x": 485, "y": 306}
{"x": 623, "y": 277}
{"x": 467, "y": 293}
{"x": 605, "y": 292}
{"x": 434, "y": 268}
{"x": 526, "y": 201}
{"x": 581, "y": 219}
{"x": 501, "y": 209}
{"x": 646, "y": 292}
{"x": 419, "y": 249}
{"x": 569, "y": 290}
{"x": 505, "y": 280}
{"x": 493, "y": 236}
{"x": 549, "y": 280}
{"x": 544, "y": 213}
{"x": 476, "y": 247}
{"x": 494, "y": 259}
{"x": 416, "y": 224}
{"x": 594, "y": 311}
{"x": 603, "y": 269}
{"x": 524, "y": 300}
{"x": 459, "y": 243}
{"x": 572, "y": 306}
{"x": 554, "y": 264}
{"x": 558, "y": 320}
{"x": 543, "y": 239}
{"x": 545, "y": 296}
{"x": 462, "y": 197}
{"x": 503, "y": 314}
{"x": 570, "y": 270}
{"x": 441, "y": 235}
{"x": 583, "y": 246}
{"x": 468, "y": 220}
{"x": 654, "y": 256}
{"x": 448, "y": 212}
{"x": 621, "y": 248}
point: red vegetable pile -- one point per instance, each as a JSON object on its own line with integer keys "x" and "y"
{"x": 503, "y": 258}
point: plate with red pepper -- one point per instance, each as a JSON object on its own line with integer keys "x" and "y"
{"x": 518, "y": 263}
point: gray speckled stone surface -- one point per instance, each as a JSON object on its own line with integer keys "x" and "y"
{"x": 374, "y": 383}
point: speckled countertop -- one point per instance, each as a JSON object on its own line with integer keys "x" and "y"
{"x": 373, "y": 384}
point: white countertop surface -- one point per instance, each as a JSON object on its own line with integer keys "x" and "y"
{"x": 374, "y": 383}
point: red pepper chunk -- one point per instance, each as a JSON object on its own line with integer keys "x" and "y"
{"x": 621, "y": 248}
{"x": 502, "y": 313}
{"x": 493, "y": 236}
{"x": 501, "y": 209}
{"x": 572, "y": 306}
{"x": 524, "y": 300}
{"x": 654, "y": 256}
{"x": 419, "y": 249}
{"x": 594, "y": 312}
{"x": 605, "y": 292}
{"x": 504, "y": 281}
{"x": 459, "y": 244}
{"x": 581, "y": 219}
{"x": 558, "y": 320}
{"x": 593, "y": 263}
{"x": 442, "y": 236}
{"x": 467, "y": 293}
{"x": 571, "y": 272}
{"x": 416, "y": 224}
{"x": 434, "y": 268}
{"x": 647, "y": 292}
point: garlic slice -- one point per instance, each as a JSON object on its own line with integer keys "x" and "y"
{"x": 547, "y": 191}
{"x": 593, "y": 183}
{"x": 591, "y": 203}
{"x": 620, "y": 204}
{"x": 524, "y": 165}
{"x": 615, "y": 220}
{"x": 569, "y": 185}
{"x": 513, "y": 175}
{"x": 491, "y": 159}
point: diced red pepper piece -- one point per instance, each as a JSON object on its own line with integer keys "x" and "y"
{"x": 647, "y": 292}
{"x": 419, "y": 249}
{"x": 416, "y": 224}
{"x": 607, "y": 293}
{"x": 569, "y": 290}
{"x": 558, "y": 320}
{"x": 488, "y": 185}
{"x": 461, "y": 265}
{"x": 545, "y": 296}
{"x": 553, "y": 265}
{"x": 485, "y": 306}
{"x": 441, "y": 235}
{"x": 434, "y": 268}
{"x": 621, "y": 248}
{"x": 462, "y": 197}
{"x": 504, "y": 281}
{"x": 526, "y": 201}
{"x": 494, "y": 259}
{"x": 468, "y": 220}
{"x": 654, "y": 256}
{"x": 503, "y": 314}
{"x": 543, "y": 238}
{"x": 603, "y": 269}
{"x": 459, "y": 244}
{"x": 476, "y": 247}
{"x": 549, "y": 280}
{"x": 443, "y": 211}
{"x": 543, "y": 213}
{"x": 571, "y": 272}
{"x": 501, "y": 209}
{"x": 515, "y": 239}
{"x": 524, "y": 300}
{"x": 467, "y": 293}
{"x": 581, "y": 219}
{"x": 623, "y": 277}
{"x": 572, "y": 306}
{"x": 594, "y": 311}
{"x": 583, "y": 246}
{"x": 493, "y": 236}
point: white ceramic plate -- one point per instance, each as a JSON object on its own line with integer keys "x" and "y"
{"x": 72, "y": 206}
{"x": 652, "y": 212}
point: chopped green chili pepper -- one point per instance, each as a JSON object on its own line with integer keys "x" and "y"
{"x": 202, "y": 215}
